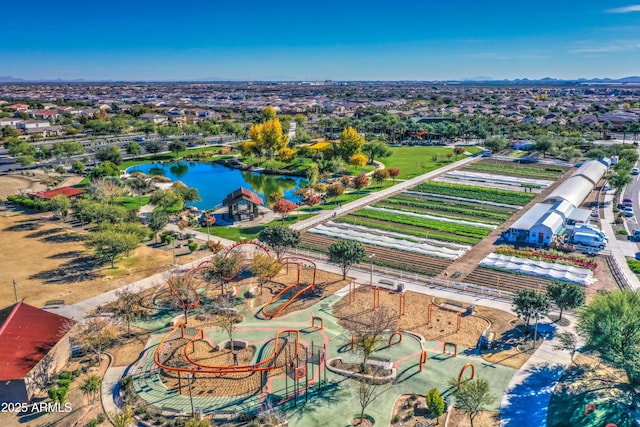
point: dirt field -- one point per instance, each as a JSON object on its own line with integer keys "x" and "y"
{"x": 49, "y": 262}
{"x": 10, "y": 184}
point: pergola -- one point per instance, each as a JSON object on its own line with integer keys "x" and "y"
{"x": 242, "y": 204}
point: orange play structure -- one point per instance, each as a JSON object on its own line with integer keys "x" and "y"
{"x": 473, "y": 372}
{"x": 423, "y": 359}
{"x": 272, "y": 308}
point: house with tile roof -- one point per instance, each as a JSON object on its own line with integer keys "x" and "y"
{"x": 35, "y": 346}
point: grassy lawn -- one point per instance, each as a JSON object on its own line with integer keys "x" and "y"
{"x": 249, "y": 233}
{"x": 347, "y": 197}
{"x": 169, "y": 156}
{"x": 132, "y": 202}
{"x": 474, "y": 149}
{"x": 413, "y": 161}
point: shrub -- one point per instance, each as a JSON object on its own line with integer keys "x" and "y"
{"x": 435, "y": 402}
{"x": 65, "y": 375}
{"x": 193, "y": 246}
{"x": 395, "y": 419}
{"x": 64, "y": 383}
{"x": 101, "y": 418}
{"x": 634, "y": 265}
{"x": 622, "y": 232}
{"x": 93, "y": 423}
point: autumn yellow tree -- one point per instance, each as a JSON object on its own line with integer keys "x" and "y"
{"x": 264, "y": 266}
{"x": 269, "y": 113}
{"x": 268, "y": 136}
{"x": 358, "y": 160}
{"x": 350, "y": 142}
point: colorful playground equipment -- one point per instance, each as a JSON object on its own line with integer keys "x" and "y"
{"x": 278, "y": 304}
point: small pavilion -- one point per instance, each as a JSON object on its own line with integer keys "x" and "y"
{"x": 242, "y": 205}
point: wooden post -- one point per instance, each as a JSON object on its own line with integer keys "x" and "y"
{"x": 403, "y": 303}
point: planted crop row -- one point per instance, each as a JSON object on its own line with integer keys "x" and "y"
{"x": 510, "y": 169}
{"x": 445, "y": 207}
{"x": 432, "y": 224}
{"x": 480, "y": 205}
{"x": 479, "y": 193}
{"x": 437, "y": 213}
{"x": 397, "y": 228}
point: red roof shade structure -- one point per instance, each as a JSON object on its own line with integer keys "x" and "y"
{"x": 242, "y": 194}
{"x": 26, "y": 335}
{"x": 65, "y": 191}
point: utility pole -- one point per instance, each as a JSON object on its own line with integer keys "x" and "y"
{"x": 15, "y": 290}
{"x": 371, "y": 271}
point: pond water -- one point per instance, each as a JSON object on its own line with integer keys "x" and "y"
{"x": 215, "y": 181}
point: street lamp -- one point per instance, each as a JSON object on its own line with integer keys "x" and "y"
{"x": 193, "y": 412}
{"x": 371, "y": 271}
{"x": 535, "y": 331}
{"x": 15, "y": 290}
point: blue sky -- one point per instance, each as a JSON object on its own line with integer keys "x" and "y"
{"x": 338, "y": 40}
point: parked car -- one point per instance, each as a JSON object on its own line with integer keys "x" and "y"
{"x": 635, "y": 171}
{"x": 628, "y": 211}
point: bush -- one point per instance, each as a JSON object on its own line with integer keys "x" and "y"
{"x": 634, "y": 265}
{"x": 622, "y": 232}
{"x": 193, "y": 246}
{"x": 65, "y": 375}
{"x": 435, "y": 402}
{"x": 395, "y": 419}
{"x": 64, "y": 383}
{"x": 93, "y": 423}
{"x": 101, "y": 418}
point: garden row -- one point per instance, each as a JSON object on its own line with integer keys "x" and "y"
{"x": 506, "y": 281}
{"x": 384, "y": 257}
{"x": 514, "y": 169}
{"x": 476, "y": 193}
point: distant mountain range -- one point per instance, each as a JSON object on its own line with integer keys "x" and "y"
{"x": 478, "y": 79}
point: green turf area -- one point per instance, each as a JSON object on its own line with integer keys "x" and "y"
{"x": 132, "y": 202}
{"x": 248, "y": 233}
{"x": 170, "y": 157}
{"x": 413, "y": 161}
{"x": 474, "y": 149}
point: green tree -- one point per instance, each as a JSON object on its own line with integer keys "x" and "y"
{"x": 78, "y": 167}
{"x": 139, "y": 183}
{"x": 350, "y": 143}
{"x": 110, "y": 244}
{"x": 544, "y": 144}
{"x": 610, "y": 325}
{"x": 66, "y": 149}
{"x": 528, "y": 302}
{"x": 105, "y": 169}
{"x": 380, "y": 175}
{"x": 177, "y": 147}
{"x": 619, "y": 180}
{"x": 435, "y": 403}
{"x": 128, "y": 307}
{"x": 496, "y": 144}
{"x": 111, "y": 154}
{"x": 360, "y": 181}
{"x": 346, "y": 253}
{"x": 187, "y": 194}
{"x": 167, "y": 199}
{"x": 264, "y": 266}
{"x": 375, "y": 149}
{"x": 472, "y": 396}
{"x": 91, "y": 386}
{"x": 60, "y": 205}
{"x": 133, "y": 149}
{"x": 157, "y": 221}
{"x": 154, "y": 147}
{"x": 335, "y": 190}
{"x": 300, "y": 119}
{"x": 566, "y": 295}
{"x": 280, "y": 239}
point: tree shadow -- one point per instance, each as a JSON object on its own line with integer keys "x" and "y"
{"x": 75, "y": 270}
{"x": 26, "y": 225}
{"x": 65, "y": 255}
{"x": 64, "y": 238}
{"x": 528, "y": 401}
{"x": 44, "y": 233}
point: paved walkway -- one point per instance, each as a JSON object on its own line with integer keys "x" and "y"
{"x": 111, "y": 388}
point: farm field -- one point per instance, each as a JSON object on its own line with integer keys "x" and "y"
{"x": 516, "y": 169}
{"x": 442, "y": 224}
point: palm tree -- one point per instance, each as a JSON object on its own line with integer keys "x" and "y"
{"x": 124, "y": 418}
{"x": 91, "y": 386}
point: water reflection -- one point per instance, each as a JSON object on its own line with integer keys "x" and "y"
{"x": 215, "y": 181}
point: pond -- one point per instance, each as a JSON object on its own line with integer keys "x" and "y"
{"x": 215, "y": 181}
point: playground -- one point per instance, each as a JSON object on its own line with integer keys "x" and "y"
{"x": 292, "y": 346}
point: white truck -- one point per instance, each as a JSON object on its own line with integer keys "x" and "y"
{"x": 588, "y": 239}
